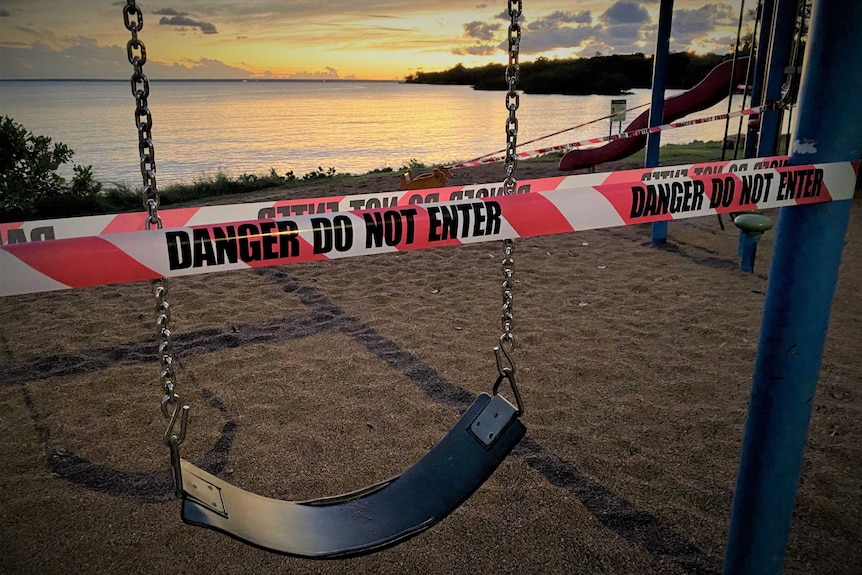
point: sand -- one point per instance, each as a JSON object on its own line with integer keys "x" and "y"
{"x": 309, "y": 380}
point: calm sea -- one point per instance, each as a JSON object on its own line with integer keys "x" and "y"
{"x": 203, "y": 128}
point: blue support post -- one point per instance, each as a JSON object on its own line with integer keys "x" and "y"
{"x": 656, "y": 110}
{"x": 751, "y": 226}
{"x": 747, "y": 251}
{"x": 780, "y": 46}
{"x": 767, "y": 8}
{"x": 778, "y": 56}
{"x": 809, "y": 242}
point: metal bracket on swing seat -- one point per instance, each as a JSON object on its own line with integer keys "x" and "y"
{"x": 493, "y": 420}
{"x": 203, "y": 491}
{"x": 372, "y": 518}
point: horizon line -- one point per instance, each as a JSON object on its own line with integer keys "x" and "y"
{"x": 321, "y": 80}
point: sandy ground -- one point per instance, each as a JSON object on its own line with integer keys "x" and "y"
{"x": 315, "y": 379}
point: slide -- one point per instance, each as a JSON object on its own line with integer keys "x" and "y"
{"x": 709, "y": 92}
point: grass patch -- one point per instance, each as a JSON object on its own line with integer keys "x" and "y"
{"x": 692, "y": 153}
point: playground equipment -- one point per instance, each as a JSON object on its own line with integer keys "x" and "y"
{"x": 374, "y": 517}
{"x": 808, "y": 246}
{"x": 752, "y": 226}
{"x": 656, "y": 110}
{"x": 708, "y": 92}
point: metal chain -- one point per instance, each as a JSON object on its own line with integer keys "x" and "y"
{"x": 505, "y": 364}
{"x": 507, "y": 339}
{"x": 513, "y": 99}
{"x": 172, "y": 409}
{"x": 137, "y": 54}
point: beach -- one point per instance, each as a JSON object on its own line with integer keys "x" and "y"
{"x": 634, "y": 363}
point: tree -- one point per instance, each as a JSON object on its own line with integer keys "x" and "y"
{"x": 29, "y": 183}
{"x": 611, "y": 75}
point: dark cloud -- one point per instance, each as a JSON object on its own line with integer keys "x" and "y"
{"x": 477, "y": 50}
{"x": 703, "y": 20}
{"x": 572, "y": 38}
{"x": 483, "y": 31}
{"x": 626, "y": 27}
{"x": 169, "y": 12}
{"x": 558, "y": 30}
{"x": 28, "y": 30}
{"x": 484, "y": 34}
{"x": 625, "y": 13}
{"x": 185, "y": 22}
{"x": 504, "y": 15}
{"x": 4, "y": 13}
{"x": 584, "y": 17}
{"x": 177, "y": 21}
{"x": 623, "y": 28}
{"x": 709, "y": 27}
{"x": 557, "y": 20}
{"x": 619, "y": 30}
{"x": 626, "y": 33}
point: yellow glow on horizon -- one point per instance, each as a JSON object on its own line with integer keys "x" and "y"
{"x": 375, "y": 48}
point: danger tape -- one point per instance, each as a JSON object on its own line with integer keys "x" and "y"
{"x": 136, "y": 256}
{"x": 621, "y": 136}
{"x": 23, "y": 232}
{"x": 478, "y": 161}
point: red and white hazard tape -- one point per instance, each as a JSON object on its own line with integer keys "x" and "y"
{"x": 478, "y": 161}
{"x": 127, "y": 257}
{"x": 620, "y": 136}
{"x": 23, "y": 232}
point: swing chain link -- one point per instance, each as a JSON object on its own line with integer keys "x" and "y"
{"x": 503, "y": 352}
{"x": 172, "y": 409}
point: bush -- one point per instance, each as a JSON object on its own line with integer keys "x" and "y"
{"x": 29, "y": 182}
{"x": 319, "y": 174}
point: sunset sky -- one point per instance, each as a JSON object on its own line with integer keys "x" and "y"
{"x": 365, "y": 39}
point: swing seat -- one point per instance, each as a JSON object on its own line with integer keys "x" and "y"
{"x": 372, "y": 518}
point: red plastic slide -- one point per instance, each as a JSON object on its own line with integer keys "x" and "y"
{"x": 709, "y": 92}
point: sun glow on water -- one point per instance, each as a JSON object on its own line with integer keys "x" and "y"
{"x": 203, "y": 128}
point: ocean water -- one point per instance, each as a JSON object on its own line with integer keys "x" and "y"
{"x": 202, "y": 128}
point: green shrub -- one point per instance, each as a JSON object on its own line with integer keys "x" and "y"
{"x": 29, "y": 183}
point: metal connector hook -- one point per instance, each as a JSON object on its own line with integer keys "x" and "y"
{"x": 181, "y": 414}
{"x": 508, "y": 373}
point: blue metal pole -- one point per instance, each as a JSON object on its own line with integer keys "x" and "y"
{"x": 656, "y": 109}
{"x": 779, "y": 58}
{"x": 747, "y": 251}
{"x": 809, "y": 242}
{"x": 767, "y": 7}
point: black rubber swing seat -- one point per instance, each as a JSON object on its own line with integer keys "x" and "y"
{"x": 372, "y": 518}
